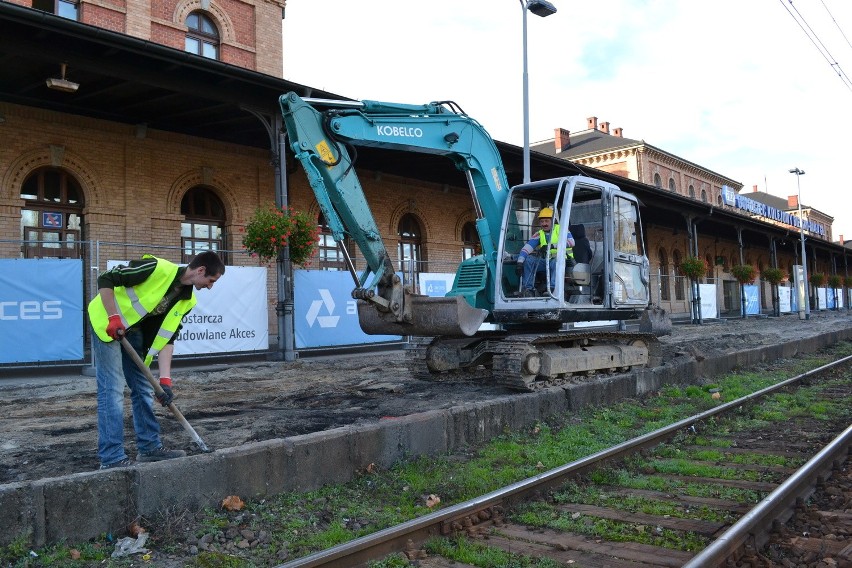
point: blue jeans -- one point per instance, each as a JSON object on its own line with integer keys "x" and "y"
{"x": 114, "y": 369}
{"x": 534, "y": 265}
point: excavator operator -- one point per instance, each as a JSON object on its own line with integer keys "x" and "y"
{"x": 531, "y": 258}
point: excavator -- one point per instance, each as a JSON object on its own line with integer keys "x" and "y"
{"x": 488, "y": 326}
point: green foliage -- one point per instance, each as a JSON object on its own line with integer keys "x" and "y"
{"x": 773, "y": 275}
{"x": 463, "y": 550}
{"x": 271, "y": 229}
{"x": 834, "y": 281}
{"x": 744, "y": 273}
{"x": 694, "y": 267}
{"x": 847, "y": 281}
{"x": 817, "y": 279}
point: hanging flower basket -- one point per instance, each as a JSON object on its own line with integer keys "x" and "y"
{"x": 817, "y": 279}
{"x": 834, "y": 281}
{"x": 272, "y": 228}
{"x": 773, "y": 275}
{"x": 744, "y": 273}
{"x": 693, "y": 267}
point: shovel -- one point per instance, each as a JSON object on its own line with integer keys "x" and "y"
{"x": 158, "y": 390}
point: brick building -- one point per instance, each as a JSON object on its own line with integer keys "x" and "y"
{"x": 163, "y": 133}
{"x": 607, "y": 149}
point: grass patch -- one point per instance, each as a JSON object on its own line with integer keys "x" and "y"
{"x": 476, "y": 553}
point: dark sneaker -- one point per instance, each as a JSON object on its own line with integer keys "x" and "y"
{"x": 159, "y": 454}
{"x": 126, "y": 462}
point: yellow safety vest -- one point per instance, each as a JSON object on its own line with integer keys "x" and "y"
{"x": 554, "y": 238}
{"x": 136, "y": 302}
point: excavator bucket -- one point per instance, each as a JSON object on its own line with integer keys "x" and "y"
{"x": 429, "y": 317}
{"x": 655, "y": 320}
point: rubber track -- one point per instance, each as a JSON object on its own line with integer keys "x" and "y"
{"x": 508, "y": 354}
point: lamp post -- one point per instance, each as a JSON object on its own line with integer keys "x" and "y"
{"x": 804, "y": 310}
{"x": 541, "y": 8}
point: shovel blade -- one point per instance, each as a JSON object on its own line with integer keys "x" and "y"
{"x": 655, "y": 320}
{"x": 430, "y": 317}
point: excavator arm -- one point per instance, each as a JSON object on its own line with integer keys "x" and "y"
{"x": 319, "y": 140}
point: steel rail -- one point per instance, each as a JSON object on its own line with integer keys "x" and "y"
{"x": 393, "y": 539}
{"x": 754, "y": 525}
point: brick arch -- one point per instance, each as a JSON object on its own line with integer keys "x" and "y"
{"x": 234, "y": 214}
{"x": 408, "y": 207}
{"x": 461, "y": 221}
{"x": 185, "y": 7}
{"x": 25, "y": 164}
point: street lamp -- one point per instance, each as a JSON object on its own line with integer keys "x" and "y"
{"x": 804, "y": 310}
{"x": 541, "y": 8}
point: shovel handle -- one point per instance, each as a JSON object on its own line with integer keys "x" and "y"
{"x": 159, "y": 390}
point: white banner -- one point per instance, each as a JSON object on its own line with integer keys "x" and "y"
{"x": 785, "y": 303}
{"x": 709, "y": 308}
{"x": 229, "y": 317}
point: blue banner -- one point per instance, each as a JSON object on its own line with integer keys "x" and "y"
{"x": 752, "y": 294}
{"x": 41, "y": 310}
{"x": 325, "y": 313}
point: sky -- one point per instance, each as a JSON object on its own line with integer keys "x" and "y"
{"x": 736, "y": 86}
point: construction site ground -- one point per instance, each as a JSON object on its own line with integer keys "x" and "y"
{"x": 48, "y": 424}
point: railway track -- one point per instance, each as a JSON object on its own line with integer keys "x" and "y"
{"x": 693, "y": 494}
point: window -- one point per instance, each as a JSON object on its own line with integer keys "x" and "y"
{"x": 692, "y": 191}
{"x": 410, "y": 246}
{"x": 672, "y": 186}
{"x": 204, "y": 217}
{"x": 52, "y": 214}
{"x": 665, "y": 287}
{"x": 470, "y": 238}
{"x": 658, "y": 181}
{"x": 330, "y": 256}
{"x": 202, "y": 36}
{"x": 704, "y": 195}
{"x": 62, "y": 8}
{"x": 719, "y": 200}
{"x": 679, "y": 278}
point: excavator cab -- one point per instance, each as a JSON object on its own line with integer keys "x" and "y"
{"x": 601, "y": 273}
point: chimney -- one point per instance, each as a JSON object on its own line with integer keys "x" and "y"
{"x": 604, "y": 127}
{"x": 561, "y": 139}
{"x": 617, "y": 132}
{"x": 754, "y": 188}
{"x": 793, "y": 202}
{"x": 592, "y": 122}
{"x": 841, "y": 240}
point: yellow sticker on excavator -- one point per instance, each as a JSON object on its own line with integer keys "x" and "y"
{"x": 324, "y": 151}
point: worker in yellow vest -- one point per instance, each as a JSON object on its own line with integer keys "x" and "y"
{"x": 531, "y": 259}
{"x": 144, "y": 302}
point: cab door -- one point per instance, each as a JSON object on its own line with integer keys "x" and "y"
{"x": 629, "y": 284}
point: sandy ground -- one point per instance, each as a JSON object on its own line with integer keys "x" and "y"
{"x": 48, "y": 425}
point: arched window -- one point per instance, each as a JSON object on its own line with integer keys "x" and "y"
{"x": 470, "y": 238}
{"x": 202, "y": 35}
{"x": 52, "y": 214}
{"x": 672, "y": 186}
{"x": 679, "y": 278}
{"x": 658, "y": 181}
{"x": 704, "y": 195}
{"x": 692, "y": 191}
{"x": 719, "y": 200}
{"x": 665, "y": 287}
{"x": 330, "y": 256}
{"x": 410, "y": 246}
{"x": 203, "y": 224}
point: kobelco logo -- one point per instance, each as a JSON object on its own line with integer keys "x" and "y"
{"x": 313, "y": 312}
{"x": 404, "y": 131}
